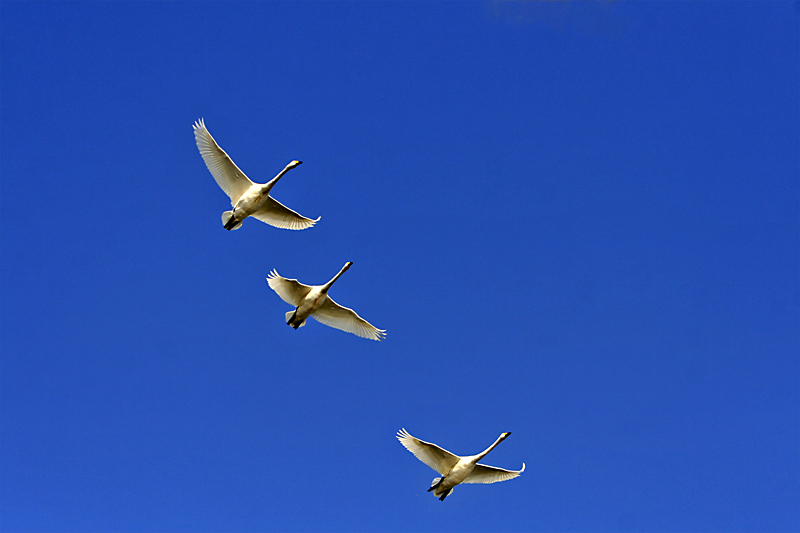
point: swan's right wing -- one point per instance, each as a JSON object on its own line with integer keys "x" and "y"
{"x": 276, "y": 214}
{"x": 228, "y": 176}
{"x": 291, "y": 291}
{"x": 432, "y": 455}
{"x": 337, "y": 316}
{"x": 491, "y": 474}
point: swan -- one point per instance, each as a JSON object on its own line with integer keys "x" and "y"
{"x": 247, "y": 198}
{"x": 313, "y": 301}
{"x": 455, "y": 469}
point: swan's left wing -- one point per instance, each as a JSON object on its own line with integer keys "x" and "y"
{"x": 336, "y": 316}
{"x": 432, "y": 455}
{"x": 276, "y": 214}
{"x": 291, "y": 291}
{"x": 227, "y": 175}
{"x": 491, "y": 474}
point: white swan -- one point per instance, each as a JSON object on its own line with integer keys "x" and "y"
{"x": 455, "y": 469}
{"x": 313, "y": 301}
{"x": 247, "y": 198}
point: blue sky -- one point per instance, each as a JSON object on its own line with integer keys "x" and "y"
{"x": 578, "y": 222}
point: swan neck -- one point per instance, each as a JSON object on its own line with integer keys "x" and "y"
{"x": 274, "y": 180}
{"x": 342, "y": 271}
{"x": 500, "y": 439}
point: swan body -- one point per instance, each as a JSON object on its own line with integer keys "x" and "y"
{"x": 313, "y": 301}
{"x": 247, "y": 198}
{"x": 454, "y": 469}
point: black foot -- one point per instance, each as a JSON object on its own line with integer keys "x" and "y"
{"x": 229, "y": 225}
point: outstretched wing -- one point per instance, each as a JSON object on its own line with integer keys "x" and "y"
{"x": 225, "y": 172}
{"x": 491, "y": 474}
{"x": 276, "y": 214}
{"x": 435, "y": 457}
{"x": 336, "y": 316}
{"x": 291, "y": 291}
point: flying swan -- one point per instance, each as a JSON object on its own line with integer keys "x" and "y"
{"x": 313, "y": 301}
{"x": 455, "y": 469}
{"x": 247, "y": 198}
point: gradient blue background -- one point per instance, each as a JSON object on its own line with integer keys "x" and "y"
{"x": 577, "y": 221}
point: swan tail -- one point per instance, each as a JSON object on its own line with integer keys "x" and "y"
{"x": 439, "y": 491}
{"x": 230, "y": 222}
{"x": 290, "y": 319}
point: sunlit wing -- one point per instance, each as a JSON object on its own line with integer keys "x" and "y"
{"x": 491, "y": 474}
{"x": 336, "y": 316}
{"x": 228, "y": 176}
{"x": 291, "y": 291}
{"x": 432, "y": 455}
{"x": 276, "y": 214}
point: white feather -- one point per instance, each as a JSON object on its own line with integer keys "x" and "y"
{"x": 491, "y": 474}
{"x": 291, "y": 291}
{"x": 276, "y": 214}
{"x": 336, "y": 316}
{"x": 227, "y": 175}
{"x": 432, "y": 455}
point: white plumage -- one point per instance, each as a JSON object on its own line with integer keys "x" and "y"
{"x": 313, "y": 301}
{"x": 247, "y": 198}
{"x": 454, "y": 469}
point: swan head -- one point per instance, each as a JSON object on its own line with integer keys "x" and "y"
{"x": 293, "y": 164}
{"x": 347, "y": 265}
{"x": 505, "y": 435}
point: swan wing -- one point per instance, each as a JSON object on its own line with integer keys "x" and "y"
{"x": 432, "y": 455}
{"x": 336, "y": 316}
{"x": 291, "y": 291}
{"x": 491, "y": 474}
{"x": 228, "y": 176}
{"x": 276, "y": 214}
